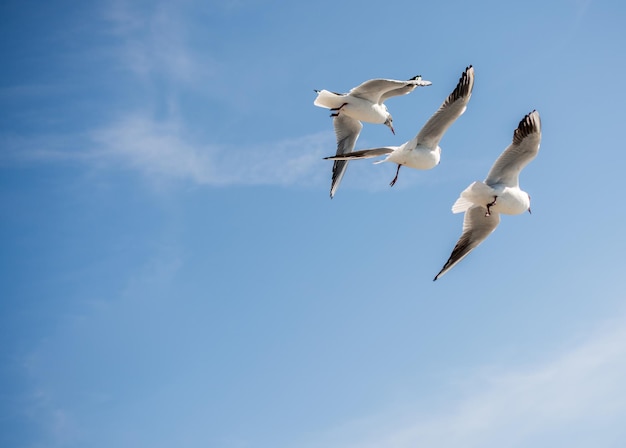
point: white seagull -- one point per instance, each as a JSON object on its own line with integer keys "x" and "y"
{"x": 423, "y": 151}
{"x": 483, "y": 202}
{"x": 363, "y": 103}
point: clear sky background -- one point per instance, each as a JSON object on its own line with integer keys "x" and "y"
{"x": 174, "y": 274}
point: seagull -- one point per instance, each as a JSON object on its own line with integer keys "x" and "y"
{"x": 483, "y": 202}
{"x": 363, "y": 103}
{"x": 423, "y": 151}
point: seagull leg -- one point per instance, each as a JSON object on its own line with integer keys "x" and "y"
{"x": 491, "y": 204}
{"x": 336, "y": 110}
{"x": 393, "y": 182}
{"x": 339, "y": 108}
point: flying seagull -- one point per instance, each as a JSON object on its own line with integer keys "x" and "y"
{"x": 423, "y": 151}
{"x": 363, "y": 103}
{"x": 483, "y": 202}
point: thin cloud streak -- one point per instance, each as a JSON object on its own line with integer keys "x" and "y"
{"x": 157, "y": 45}
{"x": 582, "y": 388}
{"x": 160, "y": 150}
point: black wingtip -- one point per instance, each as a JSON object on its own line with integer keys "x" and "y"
{"x": 527, "y": 126}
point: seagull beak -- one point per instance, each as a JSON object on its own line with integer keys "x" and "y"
{"x": 529, "y": 211}
{"x": 392, "y": 131}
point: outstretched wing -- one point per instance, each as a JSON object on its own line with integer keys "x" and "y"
{"x": 523, "y": 149}
{"x": 347, "y": 131}
{"x": 451, "y": 109}
{"x": 476, "y": 228}
{"x": 364, "y": 153}
{"x": 416, "y": 81}
{"x": 378, "y": 90}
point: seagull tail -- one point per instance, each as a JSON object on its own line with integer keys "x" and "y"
{"x": 476, "y": 193}
{"x": 327, "y": 99}
{"x": 461, "y": 205}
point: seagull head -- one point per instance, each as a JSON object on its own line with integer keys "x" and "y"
{"x": 389, "y": 124}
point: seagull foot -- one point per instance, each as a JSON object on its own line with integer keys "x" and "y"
{"x": 393, "y": 182}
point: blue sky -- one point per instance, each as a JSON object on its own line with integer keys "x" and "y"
{"x": 175, "y": 274}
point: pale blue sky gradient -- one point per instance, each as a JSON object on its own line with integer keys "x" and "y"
{"x": 173, "y": 272}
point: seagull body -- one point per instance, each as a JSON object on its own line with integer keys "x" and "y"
{"x": 362, "y": 109}
{"x": 499, "y": 193}
{"x": 510, "y": 200}
{"x": 363, "y": 103}
{"x": 423, "y": 151}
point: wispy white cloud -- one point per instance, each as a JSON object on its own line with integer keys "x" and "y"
{"x": 59, "y": 424}
{"x": 161, "y": 151}
{"x": 19, "y": 149}
{"x": 154, "y": 42}
{"x": 581, "y": 389}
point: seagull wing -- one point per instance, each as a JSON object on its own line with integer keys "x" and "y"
{"x": 378, "y": 90}
{"x": 476, "y": 228}
{"x": 365, "y": 153}
{"x": 521, "y": 151}
{"x": 408, "y": 88}
{"x": 451, "y": 109}
{"x": 347, "y": 130}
